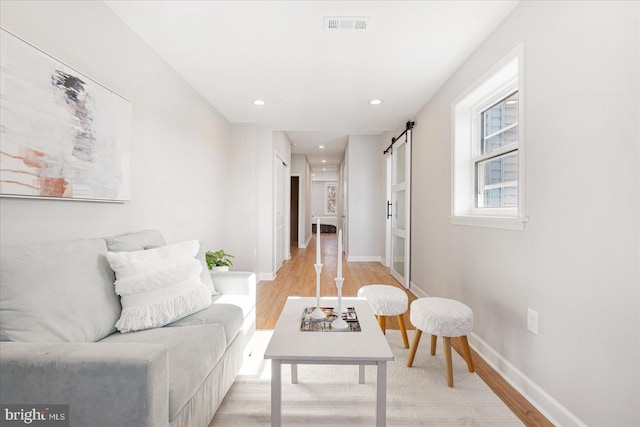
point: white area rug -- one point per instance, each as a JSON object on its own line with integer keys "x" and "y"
{"x": 331, "y": 395}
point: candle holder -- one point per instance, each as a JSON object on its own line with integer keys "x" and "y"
{"x": 318, "y": 314}
{"x": 339, "y": 323}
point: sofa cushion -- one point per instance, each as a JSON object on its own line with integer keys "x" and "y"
{"x": 57, "y": 292}
{"x": 158, "y": 286}
{"x": 228, "y": 315}
{"x": 246, "y": 302}
{"x": 193, "y": 353}
{"x": 206, "y": 273}
{"x": 138, "y": 241}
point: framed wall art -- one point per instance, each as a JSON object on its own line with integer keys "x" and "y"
{"x": 63, "y": 135}
{"x": 330, "y": 197}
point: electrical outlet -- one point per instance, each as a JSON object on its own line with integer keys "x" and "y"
{"x": 532, "y": 321}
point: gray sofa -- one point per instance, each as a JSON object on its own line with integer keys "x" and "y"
{"x": 58, "y": 310}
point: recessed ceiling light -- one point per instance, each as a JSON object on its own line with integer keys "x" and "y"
{"x": 321, "y": 146}
{"x": 375, "y": 102}
{"x": 324, "y": 161}
{"x": 324, "y": 169}
{"x": 259, "y": 102}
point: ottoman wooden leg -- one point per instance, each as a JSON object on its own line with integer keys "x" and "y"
{"x": 447, "y": 360}
{"x": 434, "y": 340}
{"x": 382, "y": 321}
{"x": 467, "y": 352}
{"x": 414, "y": 347}
{"x": 403, "y": 331}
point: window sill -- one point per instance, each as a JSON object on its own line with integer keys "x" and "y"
{"x": 504, "y": 223}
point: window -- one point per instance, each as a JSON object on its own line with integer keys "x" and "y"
{"x": 488, "y": 150}
{"x": 330, "y": 192}
{"x": 496, "y": 165}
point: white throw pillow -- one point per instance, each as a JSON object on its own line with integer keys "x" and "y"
{"x": 158, "y": 286}
{"x": 206, "y": 274}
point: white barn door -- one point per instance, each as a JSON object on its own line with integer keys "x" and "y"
{"x": 399, "y": 211}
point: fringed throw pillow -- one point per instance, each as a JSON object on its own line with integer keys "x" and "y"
{"x": 158, "y": 286}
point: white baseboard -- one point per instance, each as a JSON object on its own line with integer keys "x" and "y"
{"x": 364, "y": 259}
{"x": 303, "y": 245}
{"x": 555, "y": 412}
{"x": 266, "y": 276}
{"x": 417, "y": 291}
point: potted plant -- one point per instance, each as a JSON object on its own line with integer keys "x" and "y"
{"x": 218, "y": 260}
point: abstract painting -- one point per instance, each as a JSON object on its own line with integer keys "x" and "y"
{"x": 62, "y": 135}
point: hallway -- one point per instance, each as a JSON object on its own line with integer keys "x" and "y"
{"x": 297, "y": 277}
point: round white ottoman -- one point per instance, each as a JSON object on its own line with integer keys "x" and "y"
{"x": 387, "y": 300}
{"x": 442, "y": 317}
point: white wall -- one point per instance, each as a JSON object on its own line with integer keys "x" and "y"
{"x": 193, "y": 174}
{"x": 264, "y": 153}
{"x": 577, "y": 261}
{"x": 325, "y": 176}
{"x": 243, "y": 202}
{"x": 282, "y": 146}
{"x": 365, "y": 198}
{"x": 178, "y": 141}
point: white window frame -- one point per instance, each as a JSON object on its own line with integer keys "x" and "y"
{"x": 504, "y": 78}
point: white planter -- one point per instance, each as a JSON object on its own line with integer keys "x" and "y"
{"x": 216, "y": 268}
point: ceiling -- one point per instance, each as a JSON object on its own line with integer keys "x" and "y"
{"x": 316, "y": 83}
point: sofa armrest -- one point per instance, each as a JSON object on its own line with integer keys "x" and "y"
{"x": 104, "y": 384}
{"x": 234, "y": 282}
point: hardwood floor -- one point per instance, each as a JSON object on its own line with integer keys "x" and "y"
{"x": 297, "y": 277}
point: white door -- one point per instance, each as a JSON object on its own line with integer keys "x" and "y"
{"x": 399, "y": 210}
{"x": 279, "y": 213}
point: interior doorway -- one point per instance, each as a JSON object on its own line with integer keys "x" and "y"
{"x": 293, "y": 209}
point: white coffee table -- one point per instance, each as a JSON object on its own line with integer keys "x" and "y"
{"x": 289, "y": 345}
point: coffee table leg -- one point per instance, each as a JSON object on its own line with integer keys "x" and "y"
{"x": 360, "y": 374}
{"x": 294, "y": 373}
{"x": 276, "y": 393}
{"x": 381, "y": 395}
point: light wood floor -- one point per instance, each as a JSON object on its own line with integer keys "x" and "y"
{"x": 297, "y": 278}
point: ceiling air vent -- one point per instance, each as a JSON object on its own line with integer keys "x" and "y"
{"x": 346, "y": 22}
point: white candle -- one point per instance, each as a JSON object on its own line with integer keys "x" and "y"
{"x": 340, "y": 254}
{"x": 318, "y": 242}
